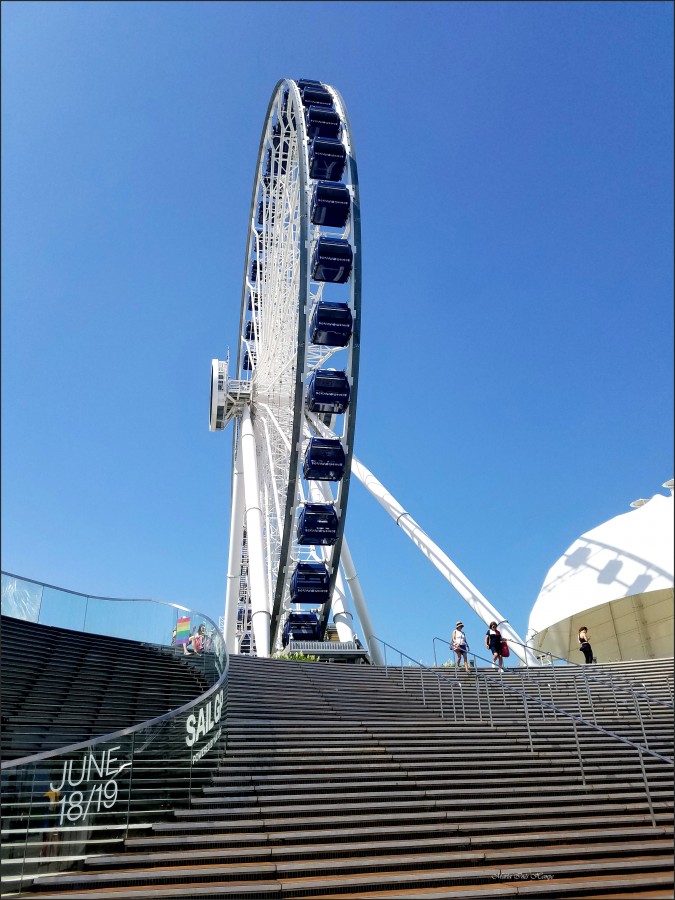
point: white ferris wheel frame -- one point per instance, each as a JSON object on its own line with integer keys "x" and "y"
{"x": 272, "y": 427}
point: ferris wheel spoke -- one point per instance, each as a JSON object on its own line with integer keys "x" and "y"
{"x": 272, "y": 456}
{"x": 276, "y": 424}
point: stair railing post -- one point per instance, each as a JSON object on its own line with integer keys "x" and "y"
{"x": 581, "y": 759}
{"x": 527, "y": 722}
{"x": 440, "y": 697}
{"x": 550, "y": 690}
{"x": 590, "y": 698}
{"x": 521, "y": 678}
{"x": 642, "y": 724}
{"x": 541, "y": 704}
{"x": 402, "y": 672}
{"x": 25, "y": 845}
{"x": 489, "y": 705}
{"x": 649, "y": 705}
{"x": 576, "y": 691}
{"x": 647, "y": 790}
{"x": 424, "y": 701}
{"x": 616, "y": 699}
{"x": 131, "y": 782}
{"x": 475, "y": 668}
{"x": 190, "y": 778}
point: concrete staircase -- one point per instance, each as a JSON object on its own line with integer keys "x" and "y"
{"x": 346, "y": 781}
{"x": 60, "y": 687}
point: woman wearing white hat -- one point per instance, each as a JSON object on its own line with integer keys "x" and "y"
{"x": 460, "y": 645}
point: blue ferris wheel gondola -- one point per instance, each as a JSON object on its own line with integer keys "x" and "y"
{"x": 310, "y": 584}
{"x": 331, "y": 204}
{"x": 332, "y": 260}
{"x": 249, "y": 330}
{"x": 331, "y": 324}
{"x": 317, "y": 524}
{"x": 327, "y": 392}
{"x": 316, "y": 95}
{"x": 324, "y": 460}
{"x": 327, "y": 159}
{"x": 322, "y": 122}
{"x": 301, "y": 626}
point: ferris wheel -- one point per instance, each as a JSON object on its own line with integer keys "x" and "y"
{"x": 293, "y": 394}
{"x": 293, "y": 390}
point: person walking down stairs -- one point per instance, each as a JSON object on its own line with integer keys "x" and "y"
{"x": 493, "y": 641}
{"x": 460, "y": 645}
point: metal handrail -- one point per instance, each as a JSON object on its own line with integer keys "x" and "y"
{"x": 123, "y": 732}
{"x": 80, "y": 745}
{"x": 555, "y": 709}
{"x": 580, "y": 667}
{"x": 177, "y": 607}
{"x": 422, "y": 666}
{"x": 526, "y": 671}
{"x": 587, "y": 675}
{"x": 545, "y": 703}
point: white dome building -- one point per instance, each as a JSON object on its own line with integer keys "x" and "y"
{"x": 616, "y": 579}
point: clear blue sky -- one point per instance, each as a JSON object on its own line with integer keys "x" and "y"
{"x": 516, "y": 165}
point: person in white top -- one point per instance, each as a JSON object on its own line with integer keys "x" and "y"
{"x": 460, "y": 645}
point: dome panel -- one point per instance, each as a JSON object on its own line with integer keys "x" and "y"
{"x": 629, "y": 559}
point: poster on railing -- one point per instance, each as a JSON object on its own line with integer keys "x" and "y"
{"x": 183, "y": 630}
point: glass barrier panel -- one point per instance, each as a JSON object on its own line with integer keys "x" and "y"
{"x": 137, "y": 620}
{"x": 21, "y": 599}
{"x": 197, "y": 637}
{"x": 62, "y": 609}
{"x": 63, "y": 808}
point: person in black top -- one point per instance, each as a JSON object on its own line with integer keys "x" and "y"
{"x": 493, "y": 641}
{"x": 584, "y": 646}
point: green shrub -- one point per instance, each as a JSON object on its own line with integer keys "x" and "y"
{"x": 300, "y": 657}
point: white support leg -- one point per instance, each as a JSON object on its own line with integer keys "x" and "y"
{"x": 342, "y": 616}
{"x": 234, "y": 557}
{"x": 352, "y": 580}
{"x": 478, "y": 603}
{"x": 260, "y": 609}
{"x": 319, "y": 492}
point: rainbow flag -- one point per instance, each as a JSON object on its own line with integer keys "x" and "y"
{"x": 183, "y": 630}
